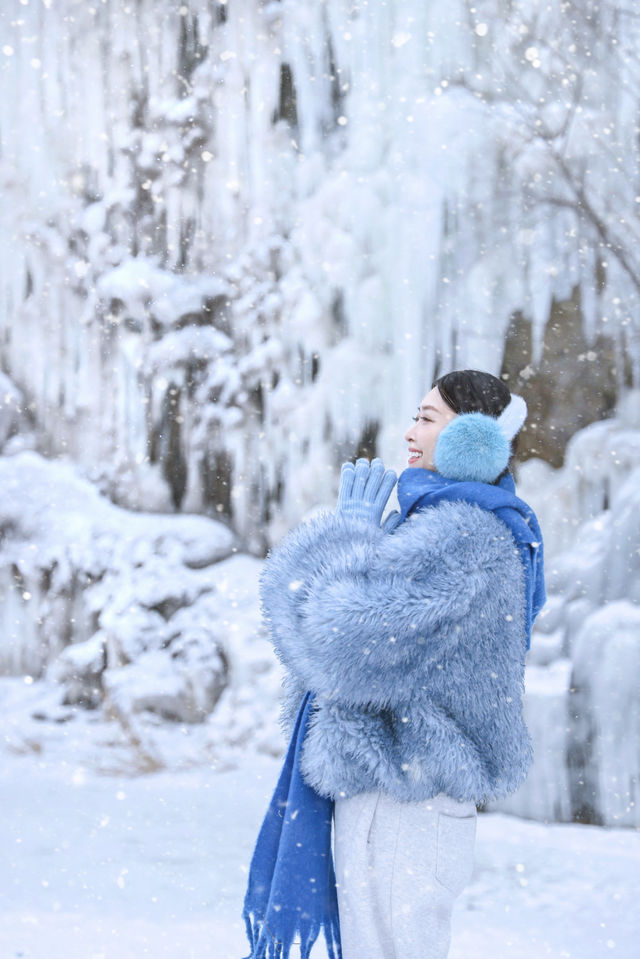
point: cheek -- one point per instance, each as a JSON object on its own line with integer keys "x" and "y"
{"x": 430, "y": 434}
{"x": 430, "y": 439}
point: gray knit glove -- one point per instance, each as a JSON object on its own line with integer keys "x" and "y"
{"x": 364, "y": 490}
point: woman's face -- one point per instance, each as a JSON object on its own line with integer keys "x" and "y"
{"x": 432, "y": 416}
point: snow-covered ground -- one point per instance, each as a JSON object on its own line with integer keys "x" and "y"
{"x": 99, "y": 866}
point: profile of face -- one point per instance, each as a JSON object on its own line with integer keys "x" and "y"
{"x": 432, "y": 417}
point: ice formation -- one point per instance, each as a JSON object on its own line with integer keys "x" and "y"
{"x": 583, "y": 670}
{"x": 268, "y": 224}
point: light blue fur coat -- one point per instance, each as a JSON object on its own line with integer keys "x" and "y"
{"x": 414, "y": 644}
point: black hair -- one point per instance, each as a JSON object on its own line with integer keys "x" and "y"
{"x": 474, "y": 391}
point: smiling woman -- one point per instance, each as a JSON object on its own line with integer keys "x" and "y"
{"x": 433, "y": 415}
{"x": 404, "y": 645}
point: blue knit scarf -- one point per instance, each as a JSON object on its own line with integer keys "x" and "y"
{"x": 291, "y": 888}
{"x": 292, "y": 885}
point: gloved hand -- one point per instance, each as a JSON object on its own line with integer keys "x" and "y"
{"x": 364, "y": 490}
{"x": 392, "y": 521}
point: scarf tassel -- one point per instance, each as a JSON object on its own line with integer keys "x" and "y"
{"x": 264, "y": 946}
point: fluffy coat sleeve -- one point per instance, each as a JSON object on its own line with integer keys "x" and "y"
{"x": 354, "y": 611}
{"x": 293, "y": 690}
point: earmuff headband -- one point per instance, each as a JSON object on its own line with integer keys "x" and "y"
{"x": 513, "y": 416}
{"x": 476, "y": 446}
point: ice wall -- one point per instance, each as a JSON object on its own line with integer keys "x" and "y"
{"x": 583, "y": 669}
{"x": 244, "y": 236}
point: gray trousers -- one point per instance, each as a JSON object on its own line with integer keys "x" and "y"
{"x": 399, "y": 868}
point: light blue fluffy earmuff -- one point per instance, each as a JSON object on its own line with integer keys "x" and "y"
{"x": 476, "y": 446}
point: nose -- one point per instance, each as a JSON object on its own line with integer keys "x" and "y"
{"x": 408, "y": 435}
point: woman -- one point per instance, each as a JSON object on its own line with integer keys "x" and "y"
{"x": 404, "y": 645}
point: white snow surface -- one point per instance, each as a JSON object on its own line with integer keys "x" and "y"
{"x": 102, "y": 866}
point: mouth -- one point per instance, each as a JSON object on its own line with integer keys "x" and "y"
{"x": 413, "y": 456}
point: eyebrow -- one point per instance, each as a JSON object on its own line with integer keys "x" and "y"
{"x": 429, "y": 408}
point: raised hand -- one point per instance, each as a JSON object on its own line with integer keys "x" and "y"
{"x": 392, "y": 521}
{"x": 365, "y": 489}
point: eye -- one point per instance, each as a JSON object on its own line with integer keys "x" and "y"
{"x": 425, "y": 419}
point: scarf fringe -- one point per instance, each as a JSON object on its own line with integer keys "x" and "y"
{"x": 263, "y": 945}
{"x": 332, "y": 940}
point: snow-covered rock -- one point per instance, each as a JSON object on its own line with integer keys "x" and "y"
{"x": 101, "y": 599}
{"x": 605, "y": 716}
{"x": 545, "y": 793}
{"x": 182, "y": 688}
